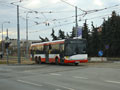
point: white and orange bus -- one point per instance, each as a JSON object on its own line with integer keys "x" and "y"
{"x": 60, "y": 51}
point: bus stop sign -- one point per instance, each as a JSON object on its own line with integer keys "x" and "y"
{"x": 100, "y": 53}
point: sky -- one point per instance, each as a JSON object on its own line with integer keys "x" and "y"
{"x": 60, "y": 14}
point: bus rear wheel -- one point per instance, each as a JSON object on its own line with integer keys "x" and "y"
{"x": 39, "y": 60}
{"x": 36, "y": 60}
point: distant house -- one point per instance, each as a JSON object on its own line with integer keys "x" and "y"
{"x": 23, "y": 44}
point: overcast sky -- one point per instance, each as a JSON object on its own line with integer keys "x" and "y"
{"x": 57, "y": 13}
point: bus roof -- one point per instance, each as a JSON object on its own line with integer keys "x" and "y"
{"x": 47, "y": 43}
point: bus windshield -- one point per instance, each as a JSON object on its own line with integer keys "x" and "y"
{"x": 73, "y": 48}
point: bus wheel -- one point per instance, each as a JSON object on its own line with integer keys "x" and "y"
{"x": 39, "y": 60}
{"x": 56, "y": 60}
{"x": 76, "y": 64}
{"x": 36, "y": 60}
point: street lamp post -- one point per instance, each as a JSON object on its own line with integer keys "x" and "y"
{"x": 18, "y": 36}
{"x": 76, "y": 22}
{"x": 27, "y": 44}
{"x": 2, "y": 36}
{"x": 18, "y": 33}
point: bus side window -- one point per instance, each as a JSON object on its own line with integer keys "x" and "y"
{"x": 46, "y": 49}
{"x": 61, "y": 50}
{"x": 55, "y": 48}
{"x": 61, "y": 47}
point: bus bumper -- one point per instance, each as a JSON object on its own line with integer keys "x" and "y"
{"x": 75, "y": 61}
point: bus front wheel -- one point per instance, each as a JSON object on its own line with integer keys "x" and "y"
{"x": 76, "y": 64}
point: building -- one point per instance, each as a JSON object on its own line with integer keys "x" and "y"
{"x": 23, "y": 44}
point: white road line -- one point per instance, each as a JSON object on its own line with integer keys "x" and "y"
{"x": 55, "y": 74}
{"x": 109, "y": 81}
{"x": 80, "y": 77}
{"x": 29, "y": 83}
{"x": 27, "y": 71}
{"x": 58, "y": 89}
{"x": 61, "y": 86}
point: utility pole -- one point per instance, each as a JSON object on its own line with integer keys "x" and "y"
{"x": 2, "y": 41}
{"x": 27, "y": 41}
{"x": 7, "y": 47}
{"x": 7, "y": 33}
{"x": 76, "y": 21}
{"x": 27, "y": 36}
{"x": 18, "y": 35}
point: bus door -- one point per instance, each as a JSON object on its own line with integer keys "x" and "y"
{"x": 46, "y": 50}
{"x": 61, "y": 52}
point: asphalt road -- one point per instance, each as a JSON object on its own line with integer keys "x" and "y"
{"x": 55, "y": 77}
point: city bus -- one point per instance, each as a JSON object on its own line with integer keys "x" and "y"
{"x": 60, "y": 51}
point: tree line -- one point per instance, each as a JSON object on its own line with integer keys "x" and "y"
{"x": 105, "y": 37}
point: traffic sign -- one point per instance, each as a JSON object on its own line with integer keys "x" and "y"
{"x": 100, "y": 53}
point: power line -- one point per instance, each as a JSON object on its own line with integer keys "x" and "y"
{"x": 97, "y": 10}
{"x": 5, "y": 3}
{"x": 85, "y": 13}
{"x": 42, "y": 12}
{"x": 88, "y": 12}
{"x": 102, "y": 16}
{"x": 69, "y": 23}
{"x": 73, "y": 5}
{"x": 53, "y": 27}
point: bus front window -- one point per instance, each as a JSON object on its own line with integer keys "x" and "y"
{"x": 74, "y": 48}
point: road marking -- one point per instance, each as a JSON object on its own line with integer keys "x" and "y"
{"x": 29, "y": 83}
{"x": 27, "y": 71}
{"x": 61, "y": 86}
{"x": 80, "y": 77}
{"x": 116, "y": 82}
{"x": 55, "y": 74}
{"x": 58, "y": 89}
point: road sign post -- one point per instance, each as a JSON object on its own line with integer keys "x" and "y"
{"x": 7, "y": 43}
{"x": 100, "y": 53}
{"x": 7, "y": 55}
